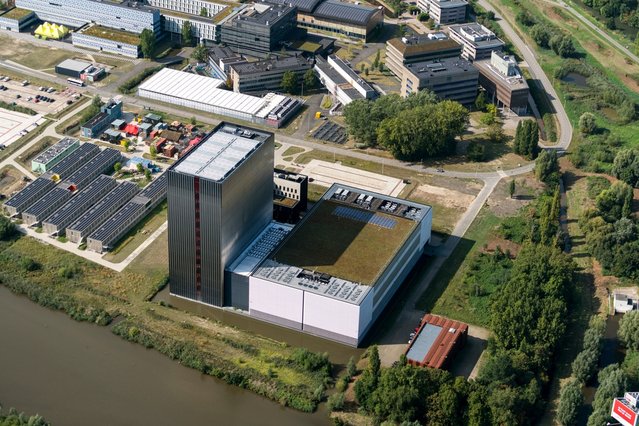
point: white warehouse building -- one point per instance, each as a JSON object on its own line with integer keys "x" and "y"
{"x": 204, "y": 94}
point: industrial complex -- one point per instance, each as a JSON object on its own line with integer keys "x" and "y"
{"x": 348, "y": 255}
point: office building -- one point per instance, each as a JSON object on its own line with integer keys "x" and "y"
{"x": 109, "y": 112}
{"x": 220, "y": 198}
{"x": 204, "y": 30}
{"x": 412, "y": 49}
{"x": 451, "y": 78}
{"x": 290, "y": 195}
{"x": 220, "y": 60}
{"x": 342, "y": 81}
{"x": 77, "y": 13}
{"x": 501, "y": 78}
{"x": 203, "y": 93}
{"x": 105, "y": 39}
{"x": 16, "y": 19}
{"x": 477, "y": 41}
{"x": 444, "y": 12}
{"x": 340, "y": 18}
{"x": 266, "y": 75}
{"x": 190, "y": 7}
{"x": 54, "y": 154}
{"x": 259, "y": 29}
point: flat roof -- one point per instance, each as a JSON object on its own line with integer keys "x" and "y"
{"x": 101, "y": 162}
{"x": 351, "y": 234}
{"x": 435, "y": 340}
{"x": 263, "y": 14}
{"x": 445, "y": 4}
{"x": 476, "y": 34}
{"x": 349, "y": 13}
{"x": 220, "y": 152}
{"x": 25, "y": 197}
{"x": 55, "y": 150}
{"x": 74, "y": 65}
{"x": 436, "y": 67}
{"x": 260, "y": 248}
{"x": 112, "y": 34}
{"x": 515, "y": 82}
{"x": 422, "y": 44}
{"x": 75, "y": 160}
{"x": 197, "y": 88}
{"x": 338, "y": 79}
{"x": 259, "y": 67}
{"x": 344, "y": 66}
{"x": 16, "y": 13}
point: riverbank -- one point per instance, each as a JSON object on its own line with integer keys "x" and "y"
{"x": 87, "y": 292}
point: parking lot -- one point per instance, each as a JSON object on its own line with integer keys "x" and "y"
{"x": 13, "y": 125}
{"x": 28, "y": 96}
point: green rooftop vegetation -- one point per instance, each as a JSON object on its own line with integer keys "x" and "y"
{"x": 16, "y": 13}
{"x": 342, "y": 247}
{"x": 112, "y": 34}
{"x": 223, "y": 14}
{"x": 307, "y": 46}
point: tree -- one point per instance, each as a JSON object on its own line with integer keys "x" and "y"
{"x": 92, "y": 110}
{"x": 366, "y": 71}
{"x": 310, "y": 79}
{"x": 7, "y": 228}
{"x": 140, "y": 168}
{"x": 187, "y": 33}
{"x": 147, "y": 175}
{"x": 512, "y": 186}
{"x": 476, "y": 152}
{"x": 481, "y": 101}
{"x": 289, "y": 82}
{"x": 351, "y": 367}
{"x": 193, "y": 121}
{"x": 541, "y": 35}
{"x": 587, "y": 123}
{"x": 626, "y": 166}
{"x": 200, "y": 53}
{"x": 147, "y": 43}
{"x": 547, "y": 167}
{"x": 629, "y": 330}
{"x": 117, "y": 167}
{"x": 570, "y": 401}
{"x": 335, "y": 402}
{"x": 615, "y": 202}
{"x": 495, "y": 132}
{"x": 204, "y": 12}
{"x": 125, "y": 144}
{"x": 153, "y": 151}
{"x": 527, "y": 139}
{"x": 376, "y": 60}
{"x": 367, "y": 382}
{"x": 612, "y": 383}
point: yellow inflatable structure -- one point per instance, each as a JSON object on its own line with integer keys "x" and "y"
{"x": 51, "y": 31}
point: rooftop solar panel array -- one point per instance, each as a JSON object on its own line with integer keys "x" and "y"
{"x": 111, "y": 231}
{"x": 29, "y": 195}
{"x": 96, "y": 215}
{"x": 95, "y": 166}
{"x": 47, "y": 204}
{"x": 78, "y": 204}
{"x": 344, "y": 12}
{"x": 75, "y": 160}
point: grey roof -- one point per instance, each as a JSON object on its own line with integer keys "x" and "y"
{"x": 351, "y": 73}
{"x": 98, "y": 118}
{"x": 73, "y": 161}
{"x": 30, "y": 194}
{"x": 424, "y": 342}
{"x": 302, "y": 5}
{"x": 97, "y": 165}
{"x": 78, "y": 204}
{"x": 115, "y": 199}
{"x": 278, "y": 64}
{"x": 220, "y": 152}
{"x": 348, "y": 13}
{"x": 262, "y": 14}
{"x": 444, "y": 66}
{"x": 74, "y": 65}
{"x": 49, "y": 202}
{"x": 338, "y": 79}
{"x": 55, "y": 150}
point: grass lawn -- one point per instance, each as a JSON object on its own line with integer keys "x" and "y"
{"x": 447, "y": 295}
{"x": 343, "y": 247}
{"x": 293, "y": 150}
{"x": 4, "y": 40}
{"x": 315, "y": 192}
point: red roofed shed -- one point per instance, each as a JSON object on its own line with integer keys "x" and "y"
{"x": 132, "y": 129}
{"x": 436, "y": 341}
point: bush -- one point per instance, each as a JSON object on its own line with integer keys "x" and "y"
{"x": 630, "y": 367}
{"x": 335, "y": 402}
{"x": 129, "y": 85}
{"x": 7, "y": 228}
{"x": 476, "y": 152}
{"x": 595, "y": 185}
{"x": 29, "y": 264}
{"x": 550, "y": 127}
{"x": 587, "y": 123}
{"x": 626, "y": 167}
{"x": 570, "y": 401}
{"x": 629, "y": 330}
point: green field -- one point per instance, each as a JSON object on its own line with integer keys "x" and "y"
{"x": 342, "y": 247}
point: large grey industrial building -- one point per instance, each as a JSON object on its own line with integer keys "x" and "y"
{"x": 265, "y": 76}
{"x": 331, "y": 275}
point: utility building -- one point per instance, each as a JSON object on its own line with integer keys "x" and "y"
{"x": 212, "y": 216}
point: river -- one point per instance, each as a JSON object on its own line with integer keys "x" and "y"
{"x": 76, "y": 373}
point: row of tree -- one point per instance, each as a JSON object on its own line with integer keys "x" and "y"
{"x": 546, "y": 35}
{"x": 415, "y": 128}
{"x": 526, "y": 141}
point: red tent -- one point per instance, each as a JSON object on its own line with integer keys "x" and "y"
{"x": 132, "y": 129}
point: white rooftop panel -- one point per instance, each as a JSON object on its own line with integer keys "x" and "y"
{"x": 217, "y": 155}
